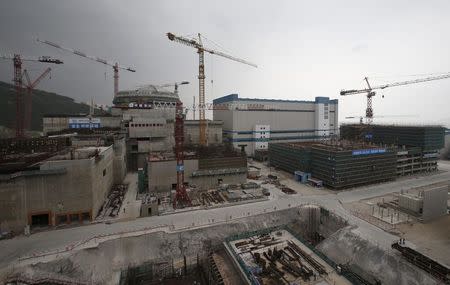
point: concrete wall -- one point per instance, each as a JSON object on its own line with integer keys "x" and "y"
{"x": 222, "y": 162}
{"x": 445, "y": 152}
{"x": 129, "y": 114}
{"x": 192, "y": 132}
{"x": 410, "y": 202}
{"x": 162, "y": 174}
{"x": 211, "y": 182}
{"x": 435, "y": 203}
{"x": 289, "y": 121}
{"x": 150, "y": 209}
{"x": 54, "y": 124}
{"x": 149, "y": 128}
{"x": 102, "y": 178}
{"x": 120, "y": 160}
{"x": 58, "y": 187}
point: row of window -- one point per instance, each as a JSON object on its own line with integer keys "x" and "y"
{"x": 68, "y": 218}
{"x": 145, "y": 125}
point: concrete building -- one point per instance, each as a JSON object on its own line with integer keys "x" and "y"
{"x": 252, "y": 124}
{"x": 429, "y": 204}
{"x": 204, "y": 170}
{"x": 445, "y": 152}
{"x": 192, "y": 132}
{"x": 59, "y": 122}
{"x": 68, "y": 187}
{"x": 338, "y": 165}
{"x": 417, "y": 147}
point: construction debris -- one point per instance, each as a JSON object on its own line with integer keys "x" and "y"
{"x": 111, "y": 207}
{"x": 277, "y": 257}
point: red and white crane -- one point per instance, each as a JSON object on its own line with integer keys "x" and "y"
{"x": 115, "y": 65}
{"x": 21, "y": 112}
{"x": 29, "y": 97}
{"x": 197, "y": 44}
{"x": 370, "y": 93}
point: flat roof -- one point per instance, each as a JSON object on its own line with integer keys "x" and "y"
{"x": 235, "y": 97}
{"x": 196, "y": 122}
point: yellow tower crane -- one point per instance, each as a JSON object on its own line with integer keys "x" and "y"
{"x": 197, "y": 44}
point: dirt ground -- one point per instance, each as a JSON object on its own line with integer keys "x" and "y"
{"x": 432, "y": 239}
{"x": 288, "y": 180}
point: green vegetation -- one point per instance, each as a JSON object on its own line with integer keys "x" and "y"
{"x": 43, "y": 103}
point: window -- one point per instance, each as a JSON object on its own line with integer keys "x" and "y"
{"x": 85, "y": 216}
{"x": 40, "y": 220}
{"x": 74, "y": 218}
{"x": 104, "y": 172}
{"x": 61, "y": 219}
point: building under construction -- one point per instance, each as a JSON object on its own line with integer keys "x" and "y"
{"x": 57, "y": 181}
{"x": 428, "y": 138}
{"x": 291, "y": 157}
{"x": 417, "y": 146}
{"x": 339, "y": 165}
{"x": 346, "y": 165}
{"x": 365, "y": 154}
{"x": 204, "y": 168}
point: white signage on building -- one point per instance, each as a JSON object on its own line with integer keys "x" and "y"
{"x": 84, "y": 123}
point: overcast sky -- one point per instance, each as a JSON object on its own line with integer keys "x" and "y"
{"x": 303, "y": 49}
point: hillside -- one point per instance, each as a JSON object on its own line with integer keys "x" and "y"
{"x": 42, "y": 103}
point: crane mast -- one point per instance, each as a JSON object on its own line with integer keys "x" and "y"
{"x": 29, "y": 99}
{"x": 21, "y": 110}
{"x": 197, "y": 44}
{"x": 370, "y": 93}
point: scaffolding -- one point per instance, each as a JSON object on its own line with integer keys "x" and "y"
{"x": 291, "y": 157}
{"x": 426, "y": 137}
{"x": 343, "y": 166}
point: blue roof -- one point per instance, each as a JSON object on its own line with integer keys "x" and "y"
{"x": 235, "y": 97}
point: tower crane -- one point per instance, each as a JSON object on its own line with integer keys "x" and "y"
{"x": 30, "y": 86}
{"x": 197, "y": 44}
{"x": 20, "y": 110}
{"x": 115, "y": 66}
{"x": 370, "y": 93}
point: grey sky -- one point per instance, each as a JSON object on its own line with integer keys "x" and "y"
{"x": 304, "y": 49}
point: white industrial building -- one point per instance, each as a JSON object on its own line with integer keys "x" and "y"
{"x": 252, "y": 124}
